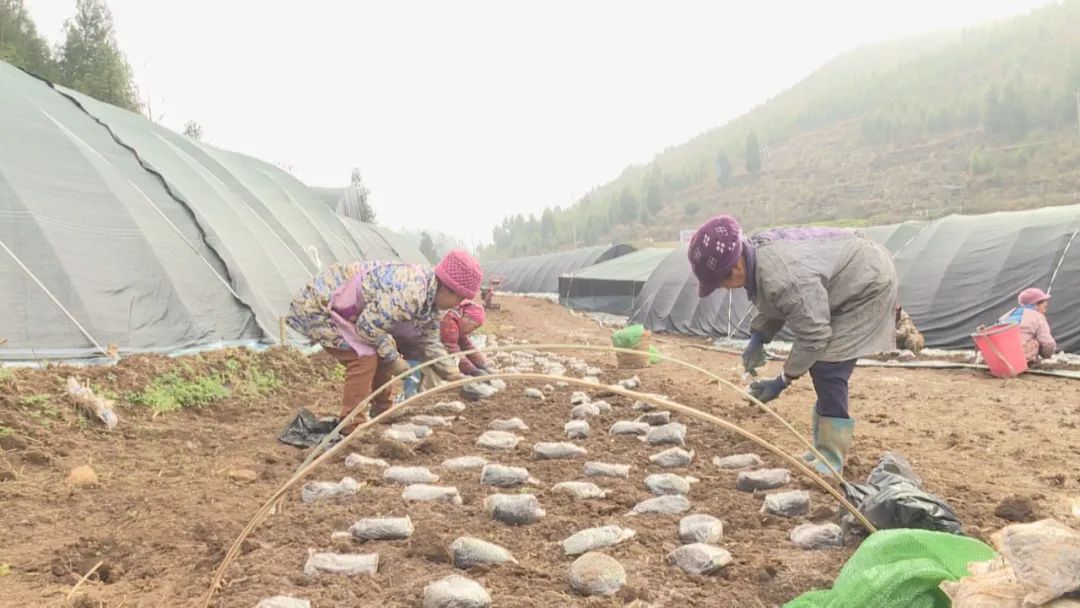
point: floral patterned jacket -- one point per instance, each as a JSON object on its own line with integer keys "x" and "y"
{"x": 398, "y": 298}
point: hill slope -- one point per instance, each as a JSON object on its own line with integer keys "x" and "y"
{"x": 974, "y": 120}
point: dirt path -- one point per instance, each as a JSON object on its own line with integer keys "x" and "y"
{"x": 165, "y": 509}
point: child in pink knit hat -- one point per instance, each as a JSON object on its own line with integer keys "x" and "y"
{"x": 457, "y": 324}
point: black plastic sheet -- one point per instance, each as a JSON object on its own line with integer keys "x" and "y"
{"x": 894, "y": 498}
{"x": 892, "y": 464}
{"x": 902, "y": 504}
{"x": 306, "y": 430}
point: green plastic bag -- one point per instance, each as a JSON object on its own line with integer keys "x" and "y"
{"x": 899, "y": 569}
{"x": 628, "y": 337}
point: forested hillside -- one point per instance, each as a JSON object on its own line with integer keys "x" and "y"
{"x": 974, "y": 120}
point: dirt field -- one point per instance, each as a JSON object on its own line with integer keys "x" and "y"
{"x": 165, "y": 509}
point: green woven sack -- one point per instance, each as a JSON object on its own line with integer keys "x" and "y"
{"x": 899, "y": 569}
{"x": 628, "y": 337}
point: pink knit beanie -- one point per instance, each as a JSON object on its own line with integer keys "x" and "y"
{"x": 473, "y": 311}
{"x": 461, "y": 273}
{"x": 1032, "y": 295}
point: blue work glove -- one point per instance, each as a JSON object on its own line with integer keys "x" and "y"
{"x": 754, "y": 355}
{"x": 767, "y": 390}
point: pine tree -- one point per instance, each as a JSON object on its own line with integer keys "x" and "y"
{"x": 193, "y": 130}
{"x": 90, "y": 60}
{"x": 367, "y": 213}
{"x": 20, "y": 43}
{"x": 654, "y": 198}
{"x": 1012, "y": 101}
{"x": 723, "y": 168}
{"x": 427, "y": 247}
{"x": 653, "y": 189}
{"x": 995, "y": 118}
{"x": 627, "y": 208}
{"x": 547, "y": 224}
{"x": 753, "y": 153}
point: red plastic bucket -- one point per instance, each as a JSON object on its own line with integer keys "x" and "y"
{"x": 1002, "y": 349}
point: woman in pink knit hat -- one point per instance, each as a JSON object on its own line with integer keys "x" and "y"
{"x": 1030, "y": 315}
{"x": 359, "y": 311}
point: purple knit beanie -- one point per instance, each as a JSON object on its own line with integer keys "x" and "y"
{"x": 714, "y": 250}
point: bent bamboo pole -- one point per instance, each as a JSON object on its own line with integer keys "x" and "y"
{"x": 610, "y": 349}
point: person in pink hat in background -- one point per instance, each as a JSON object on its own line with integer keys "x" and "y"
{"x": 359, "y": 312}
{"x": 833, "y": 290}
{"x": 456, "y": 326}
{"x": 1030, "y": 315}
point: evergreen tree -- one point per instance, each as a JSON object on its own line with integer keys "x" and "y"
{"x": 193, "y": 130}
{"x": 753, "y": 153}
{"x": 90, "y": 60}
{"x": 994, "y": 116}
{"x": 20, "y": 43}
{"x": 654, "y": 191}
{"x": 547, "y": 224}
{"x": 723, "y": 168}
{"x": 654, "y": 198}
{"x": 427, "y": 247}
{"x": 1013, "y": 103}
{"x": 367, "y": 213}
{"x": 627, "y": 208}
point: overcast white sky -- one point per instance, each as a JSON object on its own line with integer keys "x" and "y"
{"x": 461, "y": 112}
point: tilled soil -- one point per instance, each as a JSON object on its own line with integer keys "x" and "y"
{"x": 165, "y": 511}
{"x": 767, "y": 568}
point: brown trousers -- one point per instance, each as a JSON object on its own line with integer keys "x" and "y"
{"x": 362, "y": 376}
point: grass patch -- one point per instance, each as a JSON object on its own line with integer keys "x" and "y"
{"x": 41, "y": 409}
{"x": 6, "y": 375}
{"x": 255, "y": 382}
{"x": 5, "y": 431}
{"x": 249, "y": 380}
{"x": 238, "y": 375}
{"x": 174, "y": 391}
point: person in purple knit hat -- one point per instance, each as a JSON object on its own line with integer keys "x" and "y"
{"x": 835, "y": 292}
